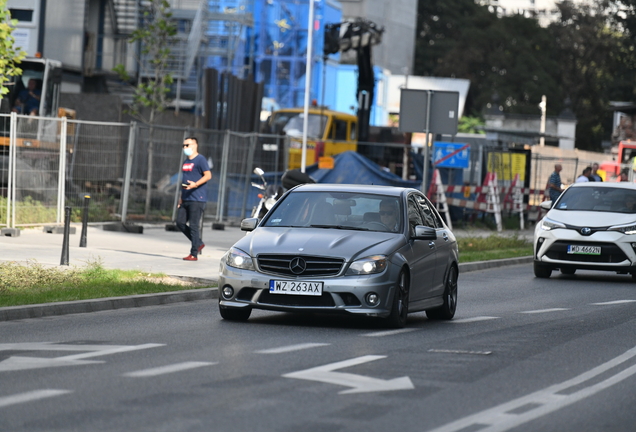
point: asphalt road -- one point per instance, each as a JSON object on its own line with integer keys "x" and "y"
{"x": 522, "y": 354}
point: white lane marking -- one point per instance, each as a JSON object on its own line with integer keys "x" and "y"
{"x": 530, "y": 407}
{"x": 290, "y": 348}
{"x": 359, "y": 383}
{"x": 168, "y": 369}
{"x": 615, "y": 302}
{"x": 389, "y": 332}
{"x": 22, "y": 363}
{"x": 473, "y": 319}
{"x": 538, "y": 311}
{"x": 447, "y": 351}
{"x": 30, "y": 396}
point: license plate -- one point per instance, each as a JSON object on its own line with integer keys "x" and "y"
{"x": 584, "y": 250}
{"x": 295, "y": 287}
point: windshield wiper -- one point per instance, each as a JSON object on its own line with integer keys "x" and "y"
{"x": 342, "y": 227}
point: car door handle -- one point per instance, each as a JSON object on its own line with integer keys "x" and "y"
{"x": 431, "y": 245}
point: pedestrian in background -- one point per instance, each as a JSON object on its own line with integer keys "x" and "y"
{"x": 554, "y": 183}
{"x": 585, "y": 176}
{"x": 195, "y": 174}
{"x": 595, "y": 175}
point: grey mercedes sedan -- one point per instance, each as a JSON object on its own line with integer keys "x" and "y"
{"x": 375, "y": 251}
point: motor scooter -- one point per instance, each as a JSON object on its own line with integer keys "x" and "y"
{"x": 268, "y": 197}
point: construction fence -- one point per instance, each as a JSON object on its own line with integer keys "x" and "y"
{"x": 131, "y": 171}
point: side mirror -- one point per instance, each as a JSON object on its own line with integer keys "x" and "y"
{"x": 249, "y": 224}
{"x": 546, "y": 205}
{"x": 425, "y": 233}
{"x": 259, "y": 171}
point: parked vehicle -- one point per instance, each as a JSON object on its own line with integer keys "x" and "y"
{"x": 365, "y": 250}
{"x": 591, "y": 226}
{"x": 268, "y": 197}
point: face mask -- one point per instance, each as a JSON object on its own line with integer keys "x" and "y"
{"x": 187, "y": 151}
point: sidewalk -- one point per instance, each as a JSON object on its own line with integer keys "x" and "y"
{"x": 154, "y": 251}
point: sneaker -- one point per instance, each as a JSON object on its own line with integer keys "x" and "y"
{"x": 190, "y": 258}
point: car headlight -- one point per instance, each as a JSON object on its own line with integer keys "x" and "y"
{"x": 368, "y": 265}
{"x": 625, "y": 229}
{"x": 239, "y": 259}
{"x": 549, "y": 224}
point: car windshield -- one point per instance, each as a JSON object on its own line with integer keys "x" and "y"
{"x": 598, "y": 199}
{"x": 292, "y": 124}
{"x": 338, "y": 210}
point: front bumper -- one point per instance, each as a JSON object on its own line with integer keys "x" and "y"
{"x": 618, "y": 251}
{"x": 341, "y": 294}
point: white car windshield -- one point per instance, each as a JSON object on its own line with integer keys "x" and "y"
{"x": 338, "y": 210}
{"x": 598, "y": 199}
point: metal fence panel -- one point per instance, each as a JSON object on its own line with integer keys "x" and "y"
{"x": 95, "y": 163}
{"x": 37, "y": 171}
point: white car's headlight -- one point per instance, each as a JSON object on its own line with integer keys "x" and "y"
{"x": 549, "y": 224}
{"x": 625, "y": 229}
{"x": 369, "y": 265}
{"x": 239, "y": 259}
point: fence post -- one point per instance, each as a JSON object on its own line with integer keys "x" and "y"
{"x": 132, "y": 135}
{"x": 12, "y": 169}
{"x": 248, "y": 172}
{"x": 61, "y": 177}
{"x": 223, "y": 177}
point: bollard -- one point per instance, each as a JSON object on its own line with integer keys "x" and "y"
{"x": 87, "y": 198}
{"x": 67, "y": 225}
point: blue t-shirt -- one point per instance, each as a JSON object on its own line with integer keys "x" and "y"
{"x": 193, "y": 169}
{"x": 555, "y": 179}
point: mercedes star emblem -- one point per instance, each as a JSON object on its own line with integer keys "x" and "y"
{"x": 297, "y": 265}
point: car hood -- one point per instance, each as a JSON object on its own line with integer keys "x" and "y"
{"x": 319, "y": 241}
{"x": 590, "y": 218}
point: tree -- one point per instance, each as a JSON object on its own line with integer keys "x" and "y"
{"x": 10, "y": 56}
{"x": 156, "y": 36}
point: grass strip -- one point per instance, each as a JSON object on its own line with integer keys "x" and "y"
{"x": 34, "y": 283}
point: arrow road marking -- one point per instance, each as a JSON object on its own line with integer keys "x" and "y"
{"x": 359, "y": 383}
{"x": 15, "y": 363}
{"x": 30, "y": 396}
{"x": 517, "y": 412}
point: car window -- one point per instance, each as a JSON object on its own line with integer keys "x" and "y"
{"x": 342, "y": 210}
{"x": 429, "y": 216}
{"x": 415, "y": 217}
{"x": 598, "y": 199}
{"x": 340, "y": 127}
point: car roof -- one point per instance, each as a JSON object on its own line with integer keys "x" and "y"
{"x": 372, "y": 189}
{"x": 618, "y": 185}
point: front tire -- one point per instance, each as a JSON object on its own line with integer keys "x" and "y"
{"x": 447, "y": 310}
{"x": 400, "y": 304}
{"x": 541, "y": 271}
{"x": 235, "y": 314}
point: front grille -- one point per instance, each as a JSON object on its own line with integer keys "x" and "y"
{"x": 610, "y": 253}
{"x": 315, "y": 266}
{"x": 325, "y": 300}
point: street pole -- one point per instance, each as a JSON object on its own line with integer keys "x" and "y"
{"x": 543, "y": 106}
{"x": 310, "y": 42}
{"x": 426, "y": 150}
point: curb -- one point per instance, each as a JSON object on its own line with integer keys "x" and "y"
{"x": 110, "y": 303}
{"x": 483, "y": 265}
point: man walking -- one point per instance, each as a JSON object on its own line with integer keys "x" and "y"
{"x": 554, "y": 183}
{"x": 195, "y": 174}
